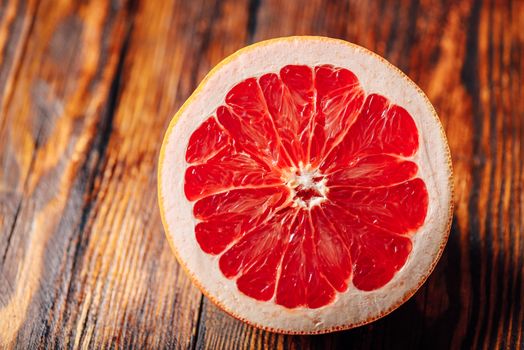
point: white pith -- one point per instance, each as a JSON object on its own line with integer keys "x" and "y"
{"x": 302, "y": 178}
{"x": 352, "y": 307}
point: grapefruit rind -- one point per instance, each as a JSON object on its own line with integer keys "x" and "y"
{"x": 353, "y": 307}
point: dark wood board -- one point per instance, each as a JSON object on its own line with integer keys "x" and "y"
{"x": 87, "y": 89}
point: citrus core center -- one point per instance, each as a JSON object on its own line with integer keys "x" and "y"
{"x": 307, "y": 185}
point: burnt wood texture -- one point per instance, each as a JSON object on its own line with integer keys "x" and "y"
{"x": 87, "y": 89}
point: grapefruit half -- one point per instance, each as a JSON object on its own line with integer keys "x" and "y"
{"x": 306, "y": 185}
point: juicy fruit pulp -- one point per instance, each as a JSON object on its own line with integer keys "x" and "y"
{"x": 303, "y": 185}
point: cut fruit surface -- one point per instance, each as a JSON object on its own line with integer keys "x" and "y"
{"x": 306, "y": 186}
{"x": 286, "y": 147}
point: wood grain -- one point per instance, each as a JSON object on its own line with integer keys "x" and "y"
{"x": 53, "y": 107}
{"x": 86, "y": 92}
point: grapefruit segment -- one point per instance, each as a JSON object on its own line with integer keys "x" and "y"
{"x": 214, "y": 235}
{"x": 373, "y": 171}
{"x": 376, "y": 253}
{"x": 247, "y": 120}
{"x": 226, "y": 171}
{"x": 400, "y": 208}
{"x": 246, "y": 201}
{"x": 258, "y": 281}
{"x": 300, "y": 269}
{"x": 332, "y": 250}
{"x": 228, "y": 215}
{"x": 306, "y": 186}
{"x": 290, "y": 98}
{"x": 381, "y": 128}
{"x": 206, "y": 141}
{"x": 338, "y": 102}
{"x": 255, "y": 257}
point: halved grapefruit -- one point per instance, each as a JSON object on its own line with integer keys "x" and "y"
{"x": 306, "y": 185}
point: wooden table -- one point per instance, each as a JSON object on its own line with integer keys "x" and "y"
{"x": 87, "y": 89}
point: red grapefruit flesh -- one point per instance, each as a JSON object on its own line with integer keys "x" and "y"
{"x": 292, "y": 120}
{"x": 305, "y": 191}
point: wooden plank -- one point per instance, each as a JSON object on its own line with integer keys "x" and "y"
{"x": 54, "y": 97}
{"x": 16, "y": 21}
{"x": 127, "y": 289}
